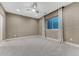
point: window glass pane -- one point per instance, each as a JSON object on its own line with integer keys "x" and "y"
{"x": 52, "y": 23}
{"x": 49, "y": 24}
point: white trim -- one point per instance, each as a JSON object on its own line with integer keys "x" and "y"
{"x": 72, "y": 44}
{"x": 24, "y": 37}
{"x": 43, "y": 27}
{"x": 60, "y": 15}
{"x": 1, "y": 27}
{"x": 53, "y": 29}
{"x": 52, "y": 39}
{"x": 20, "y": 38}
{"x": 69, "y": 43}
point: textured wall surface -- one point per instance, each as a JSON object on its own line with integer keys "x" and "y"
{"x": 19, "y": 26}
{"x": 71, "y": 23}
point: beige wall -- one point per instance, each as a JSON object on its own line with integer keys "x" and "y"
{"x": 71, "y": 23}
{"x": 40, "y": 27}
{"x": 2, "y": 23}
{"x": 70, "y": 16}
{"x": 19, "y": 26}
{"x": 52, "y": 34}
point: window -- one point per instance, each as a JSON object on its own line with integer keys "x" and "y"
{"x": 52, "y": 23}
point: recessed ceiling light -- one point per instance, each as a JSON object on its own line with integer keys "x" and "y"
{"x": 17, "y": 10}
{"x": 33, "y": 10}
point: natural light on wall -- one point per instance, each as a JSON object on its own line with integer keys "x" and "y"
{"x": 1, "y": 27}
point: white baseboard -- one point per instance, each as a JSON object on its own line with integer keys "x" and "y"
{"x": 69, "y": 43}
{"x": 19, "y": 38}
{"x": 24, "y": 37}
{"x": 72, "y": 44}
{"x": 52, "y": 39}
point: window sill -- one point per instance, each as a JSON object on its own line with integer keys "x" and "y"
{"x": 52, "y": 29}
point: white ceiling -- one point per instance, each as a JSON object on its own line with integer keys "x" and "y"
{"x": 43, "y": 7}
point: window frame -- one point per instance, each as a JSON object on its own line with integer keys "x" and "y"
{"x": 47, "y": 23}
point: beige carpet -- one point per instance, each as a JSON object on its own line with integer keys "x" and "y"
{"x": 35, "y": 46}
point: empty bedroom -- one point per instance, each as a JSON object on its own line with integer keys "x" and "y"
{"x": 39, "y": 28}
